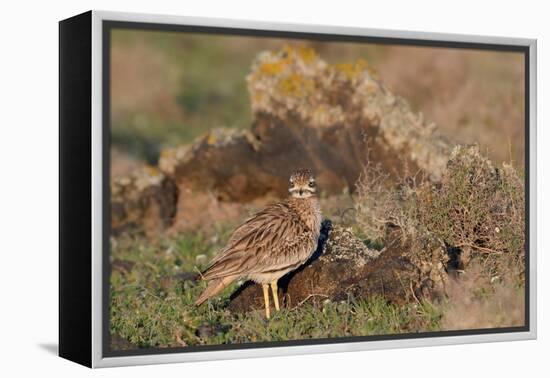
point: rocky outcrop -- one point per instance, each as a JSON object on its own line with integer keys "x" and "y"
{"x": 306, "y": 113}
{"x": 144, "y": 202}
{"x": 349, "y": 97}
{"x": 343, "y": 267}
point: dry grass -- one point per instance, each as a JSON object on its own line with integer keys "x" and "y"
{"x": 473, "y": 96}
{"x": 478, "y": 209}
{"x": 475, "y": 213}
{"x": 381, "y": 203}
{"x": 474, "y": 302}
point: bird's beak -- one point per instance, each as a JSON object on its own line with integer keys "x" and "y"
{"x": 301, "y": 192}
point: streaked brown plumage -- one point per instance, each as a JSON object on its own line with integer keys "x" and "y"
{"x": 271, "y": 243}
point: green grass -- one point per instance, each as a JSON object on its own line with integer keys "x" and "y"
{"x": 152, "y": 306}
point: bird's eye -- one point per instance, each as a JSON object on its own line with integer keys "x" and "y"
{"x": 312, "y": 184}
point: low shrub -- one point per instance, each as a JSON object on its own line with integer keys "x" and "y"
{"x": 476, "y": 211}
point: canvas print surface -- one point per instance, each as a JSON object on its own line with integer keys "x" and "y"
{"x": 273, "y": 190}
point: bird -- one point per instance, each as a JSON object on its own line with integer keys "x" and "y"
{"x": 269, "y": 244}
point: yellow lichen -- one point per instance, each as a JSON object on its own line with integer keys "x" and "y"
{"x": 307, "y": 54}
{"x": 288, "y": 50}
{"x": 296, "y": 85}
{"x": 167, "y": 153}
{"x": 211, "y": 139}
{"x": 151, "y": 171}
{"x": 304, "y": 53}
{"x": 257, "y": 97}
{"x": 272, "y": 68}
{"x": 352, "y": 70}
{"x": 321, "y": 109}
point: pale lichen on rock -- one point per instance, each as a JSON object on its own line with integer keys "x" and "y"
{"x": 350, "y": 95}
{"x": 344, "y": 245}
{"x": 143, "y": 201}
{"x": 304, "y": 109}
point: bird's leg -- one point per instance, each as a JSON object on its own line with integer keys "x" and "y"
{"x": 265, "y": 287}
{"x": 275, "y": 294}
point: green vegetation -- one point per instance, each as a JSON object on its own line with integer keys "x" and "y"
{"x": 152, "y": 303}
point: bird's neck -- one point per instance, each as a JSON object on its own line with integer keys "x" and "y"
{"x": 309, "y": 211}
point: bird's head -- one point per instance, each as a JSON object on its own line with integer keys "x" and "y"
{"x": 302, "y": 184}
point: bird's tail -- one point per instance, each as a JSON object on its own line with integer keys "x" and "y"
{"x": 214, "y": 287}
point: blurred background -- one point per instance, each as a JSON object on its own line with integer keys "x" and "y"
{"x": 168, "y": 220}
{"x": 168, "y": 88}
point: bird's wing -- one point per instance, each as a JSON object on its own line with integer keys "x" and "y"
{"x": 256, "y": 221}
{"x": 271, "y": 240}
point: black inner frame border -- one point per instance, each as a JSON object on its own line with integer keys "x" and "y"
{"x": 109, "y": 25}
